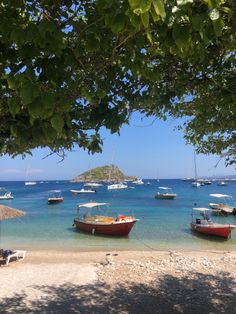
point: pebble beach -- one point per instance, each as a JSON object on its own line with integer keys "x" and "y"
{"x": 120, "y": 282}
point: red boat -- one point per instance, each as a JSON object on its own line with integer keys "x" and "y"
{"x": 95, "y": 224}
{"x": 206, "y": 226}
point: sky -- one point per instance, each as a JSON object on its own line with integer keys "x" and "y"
{"x": 146, "y": 148}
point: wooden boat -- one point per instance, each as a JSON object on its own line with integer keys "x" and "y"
{"x": 55, "y": 197}
{"x": 105, "y": 225}
{"x": 168, "y": 194}
{"x": 205, "y": 226}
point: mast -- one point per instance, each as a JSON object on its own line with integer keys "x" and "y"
{"x": 195, "y": 166}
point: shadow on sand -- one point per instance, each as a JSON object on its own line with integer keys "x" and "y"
{"x": 168, "y": 294}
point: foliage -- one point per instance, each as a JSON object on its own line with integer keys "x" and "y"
{"x": 105, "y": 173}
{"x": 69, "y": 68}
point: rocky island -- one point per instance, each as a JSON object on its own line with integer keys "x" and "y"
{"x": 103, "y": 174}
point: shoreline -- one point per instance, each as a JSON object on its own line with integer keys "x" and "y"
{"x": 113, "y": 281}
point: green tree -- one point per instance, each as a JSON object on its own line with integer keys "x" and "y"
{"x": 67, "y": 68}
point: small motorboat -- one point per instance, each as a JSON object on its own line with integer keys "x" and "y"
{"x": 223, "y": 208}
{"x": 55, "y": 197}
{"x": 117, "y": 186}
{"x": 30, "y": 183}
{"x": 138, "y": 181}
{"x": 221, "y": 183}
{"x": 204, "y": 225}
{"x": 82, "y": 191}
{"x": 5, "y": 195}
{"x": 120, "y": 225}
{"x": 168, "y": 194}
{"x": 93, "y": 184}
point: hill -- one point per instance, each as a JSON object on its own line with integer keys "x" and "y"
{"x": 105, "y": 173}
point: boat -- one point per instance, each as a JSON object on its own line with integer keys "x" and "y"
{"x": 166, "y": 194}
{"x": 204, "y": 225}
{"x": 30, "y": 183}
{"x": 5, "y": 195}
{"x": 223, "y": 208}
{"x": 117, "y": 186}
{"x": 195, "y": 183}
{"x": 120, "y": 225}
{"x": 138, "y": 181}
{"x": 55, "y": 197}
{"x": 93, "y": 184}
{"x": 81, "y": 191}
{"x": 222, "y": 183}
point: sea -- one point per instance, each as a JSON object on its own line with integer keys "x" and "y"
{"x": 162, "y": 225}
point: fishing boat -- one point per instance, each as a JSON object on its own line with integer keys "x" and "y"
{"x": 166, "y": 193}
{"x": 55, "y": 197}
{"x": 83, "y": 191}
{"x": 117, "y": 186}
{"x": 120, "y": 225}
{"x": 223, "y": 208}
{"x": 204, "y": 225}
{"x": 5, "y": 195}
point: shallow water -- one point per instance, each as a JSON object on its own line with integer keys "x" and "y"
{"x": 163, "y": 225}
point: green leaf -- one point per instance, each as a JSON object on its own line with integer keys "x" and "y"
{"x": 159, "y": 8}
{"x": 29, "y": 92}
{"x": 218, "y": 26}
{"x": 140, "y": 6}
{"x": 197, "y": 21}
{"x": 57, "y": 122}
{"x": 155, "y": 17}
{"x": 181, "y": 36}
{"x": 118, "y": 23}
{"x": 145, "y": 19}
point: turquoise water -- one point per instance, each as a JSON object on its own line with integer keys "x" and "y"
{"x": 163, "y": 225}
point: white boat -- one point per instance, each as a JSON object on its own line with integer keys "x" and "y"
{"x": 223, "y": 208}
{"x": 5, "y": 195}
{"x": 83, "y": 191}
{"x": 30, "y": 183}
{"x": 165, "y": 194}
{"x": 138, "y": 181}
{"x": 55, "y": 197}
{"x": 196, "y": 184}
{"x": 117, "y": 186}
{"x": 93, "y": 184}
{"x": 222, "y": 183}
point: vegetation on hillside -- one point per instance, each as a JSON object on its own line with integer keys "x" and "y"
{"x": 105, "y": 173}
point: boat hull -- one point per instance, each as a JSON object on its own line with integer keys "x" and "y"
{"x": 214, "y": 229}
{"x": 55, "y": 200}
{"x": 112, "y": 229}
{"x": 165, "y": 196}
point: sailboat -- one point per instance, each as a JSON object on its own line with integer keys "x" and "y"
{"x": 26, "y": 179}
{"x": 195, "y": 183}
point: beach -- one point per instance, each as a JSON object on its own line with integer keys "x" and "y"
{"x": 120, "y": 282}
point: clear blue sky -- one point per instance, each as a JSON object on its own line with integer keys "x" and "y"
{"x": 144, "y": 149}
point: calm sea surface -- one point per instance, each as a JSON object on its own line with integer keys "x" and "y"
{"x": 163, "y": 225}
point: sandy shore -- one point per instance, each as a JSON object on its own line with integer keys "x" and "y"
{"x": 120, "y": 282}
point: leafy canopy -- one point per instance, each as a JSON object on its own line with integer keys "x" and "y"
{"x": 68, "y": 68}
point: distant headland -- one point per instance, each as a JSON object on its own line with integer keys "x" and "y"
{"x": 103, "y": 174}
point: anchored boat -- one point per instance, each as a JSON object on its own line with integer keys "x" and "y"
{"x": 205, "y": 225}
{"x": 120, "y": 225}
